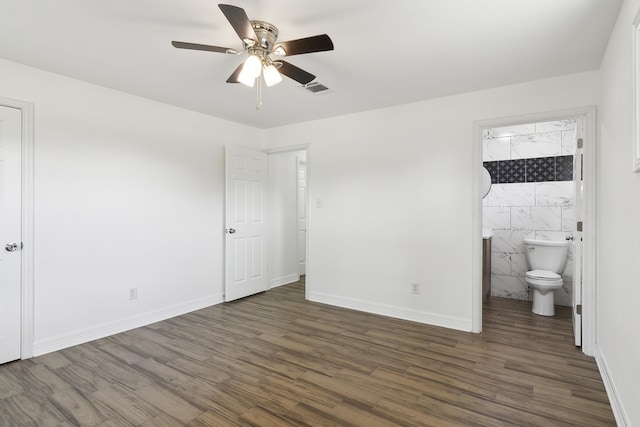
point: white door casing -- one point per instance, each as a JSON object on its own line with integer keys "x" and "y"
{"x": 576, "y": 294}
{"x": 10, "y": 233}
{"x": 301, "y": 214}
{"x": 246, "y": 225}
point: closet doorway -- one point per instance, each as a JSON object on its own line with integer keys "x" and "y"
{"x": 287, "y": 215}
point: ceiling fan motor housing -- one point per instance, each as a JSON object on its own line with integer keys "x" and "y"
{"x": 267, "y": 35}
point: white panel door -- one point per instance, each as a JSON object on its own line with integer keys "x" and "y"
{"x": 301, "y": 212}
{"x": 246, "y": 225}
{"x": 10, "y": 232}
{"x": 577, "y": 237}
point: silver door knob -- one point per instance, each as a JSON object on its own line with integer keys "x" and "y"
{"x": 569, "y": 238}
{"x": 11, "y": 247}
{"x": 231, "y": 230}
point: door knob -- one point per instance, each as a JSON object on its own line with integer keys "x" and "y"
{"x": 10, "y": 247}
{"x": 231, "y": 230}
{"x": 569, "y": 238}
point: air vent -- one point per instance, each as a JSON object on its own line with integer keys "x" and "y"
{"x": 316, "y": 88}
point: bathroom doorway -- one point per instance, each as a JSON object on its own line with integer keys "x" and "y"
{"x": 531, "y": 160}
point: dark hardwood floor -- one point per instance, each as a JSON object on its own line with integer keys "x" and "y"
{"x": 274, "y": 359}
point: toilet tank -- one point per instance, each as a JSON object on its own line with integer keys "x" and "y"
{"x": 546, "y": 254}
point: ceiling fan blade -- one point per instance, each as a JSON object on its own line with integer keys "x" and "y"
{"x": 196, "y": 46}
{"x": 318, "y": 43}
{"x": 295, "y": 73}
{"x": 239, "y": 20}
{"x": 233, "y": 78}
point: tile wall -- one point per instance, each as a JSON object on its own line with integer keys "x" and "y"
{"x": 531, "y": 168}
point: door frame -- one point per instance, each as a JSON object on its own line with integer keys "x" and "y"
{"x": 304, "y": 206}
{"x": 27, "y": 217}
{"x": 307, "y": 148}
{"x": 589, "y": 284}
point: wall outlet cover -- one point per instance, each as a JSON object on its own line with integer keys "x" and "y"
{"x": 415, "y": 288}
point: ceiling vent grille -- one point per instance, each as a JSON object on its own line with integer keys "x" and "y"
{"x": 316, "y": 88}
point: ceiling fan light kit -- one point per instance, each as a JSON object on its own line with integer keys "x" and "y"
{"x": 259, "y": 42}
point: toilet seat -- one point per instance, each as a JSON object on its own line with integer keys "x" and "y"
{"x": 543, "y": 280}
{"x": 543, "y": 275}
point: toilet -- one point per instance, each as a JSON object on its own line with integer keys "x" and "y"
{"x": 546, "y": 260}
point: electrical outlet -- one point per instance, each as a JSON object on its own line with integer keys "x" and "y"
{"x": 415, "y": 288}
{"x": 133, "y": 293}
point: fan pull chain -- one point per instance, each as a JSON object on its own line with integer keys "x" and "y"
{"x": 259, "y": 93}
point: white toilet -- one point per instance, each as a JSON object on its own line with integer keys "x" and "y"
{"x": 546, "y": 261}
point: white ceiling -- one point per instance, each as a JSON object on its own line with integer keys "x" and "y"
{"x": 386, "y": 52}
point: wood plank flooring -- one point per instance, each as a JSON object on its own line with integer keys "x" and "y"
{"x": 274, "y": 359}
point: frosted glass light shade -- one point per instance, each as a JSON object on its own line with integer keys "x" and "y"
{"x": 250, "y": 70}
{"x": 246, "y": 78}
{"x": 271, "y": 76}
{"x": 253, "y": 66}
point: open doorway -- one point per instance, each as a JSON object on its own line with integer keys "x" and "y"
{"x": 287, "y": 216}
{"x": 541, "y": 206}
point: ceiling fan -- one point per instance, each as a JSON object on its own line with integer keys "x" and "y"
{"x": 259, "y": 42}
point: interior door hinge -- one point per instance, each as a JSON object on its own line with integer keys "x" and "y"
{"x": 580, "y": 143}
{"x": 579, "y": 226}
{"x": 579, "y": 309}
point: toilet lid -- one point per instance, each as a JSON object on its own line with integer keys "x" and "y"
{"x": 543, "y": 274}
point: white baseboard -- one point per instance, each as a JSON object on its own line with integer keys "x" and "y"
{"x": 614, "y": 398}
{"x": 81, "y": 336}
{"x": 393, "y": 311}
{"x": 284, "y": 280}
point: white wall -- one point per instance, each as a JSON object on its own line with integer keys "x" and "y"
{"x": 283, "y": 240}
{"x": 128, "y": 193}
{"x": 396, "y": 186}
{"x": 618, "y": 223}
